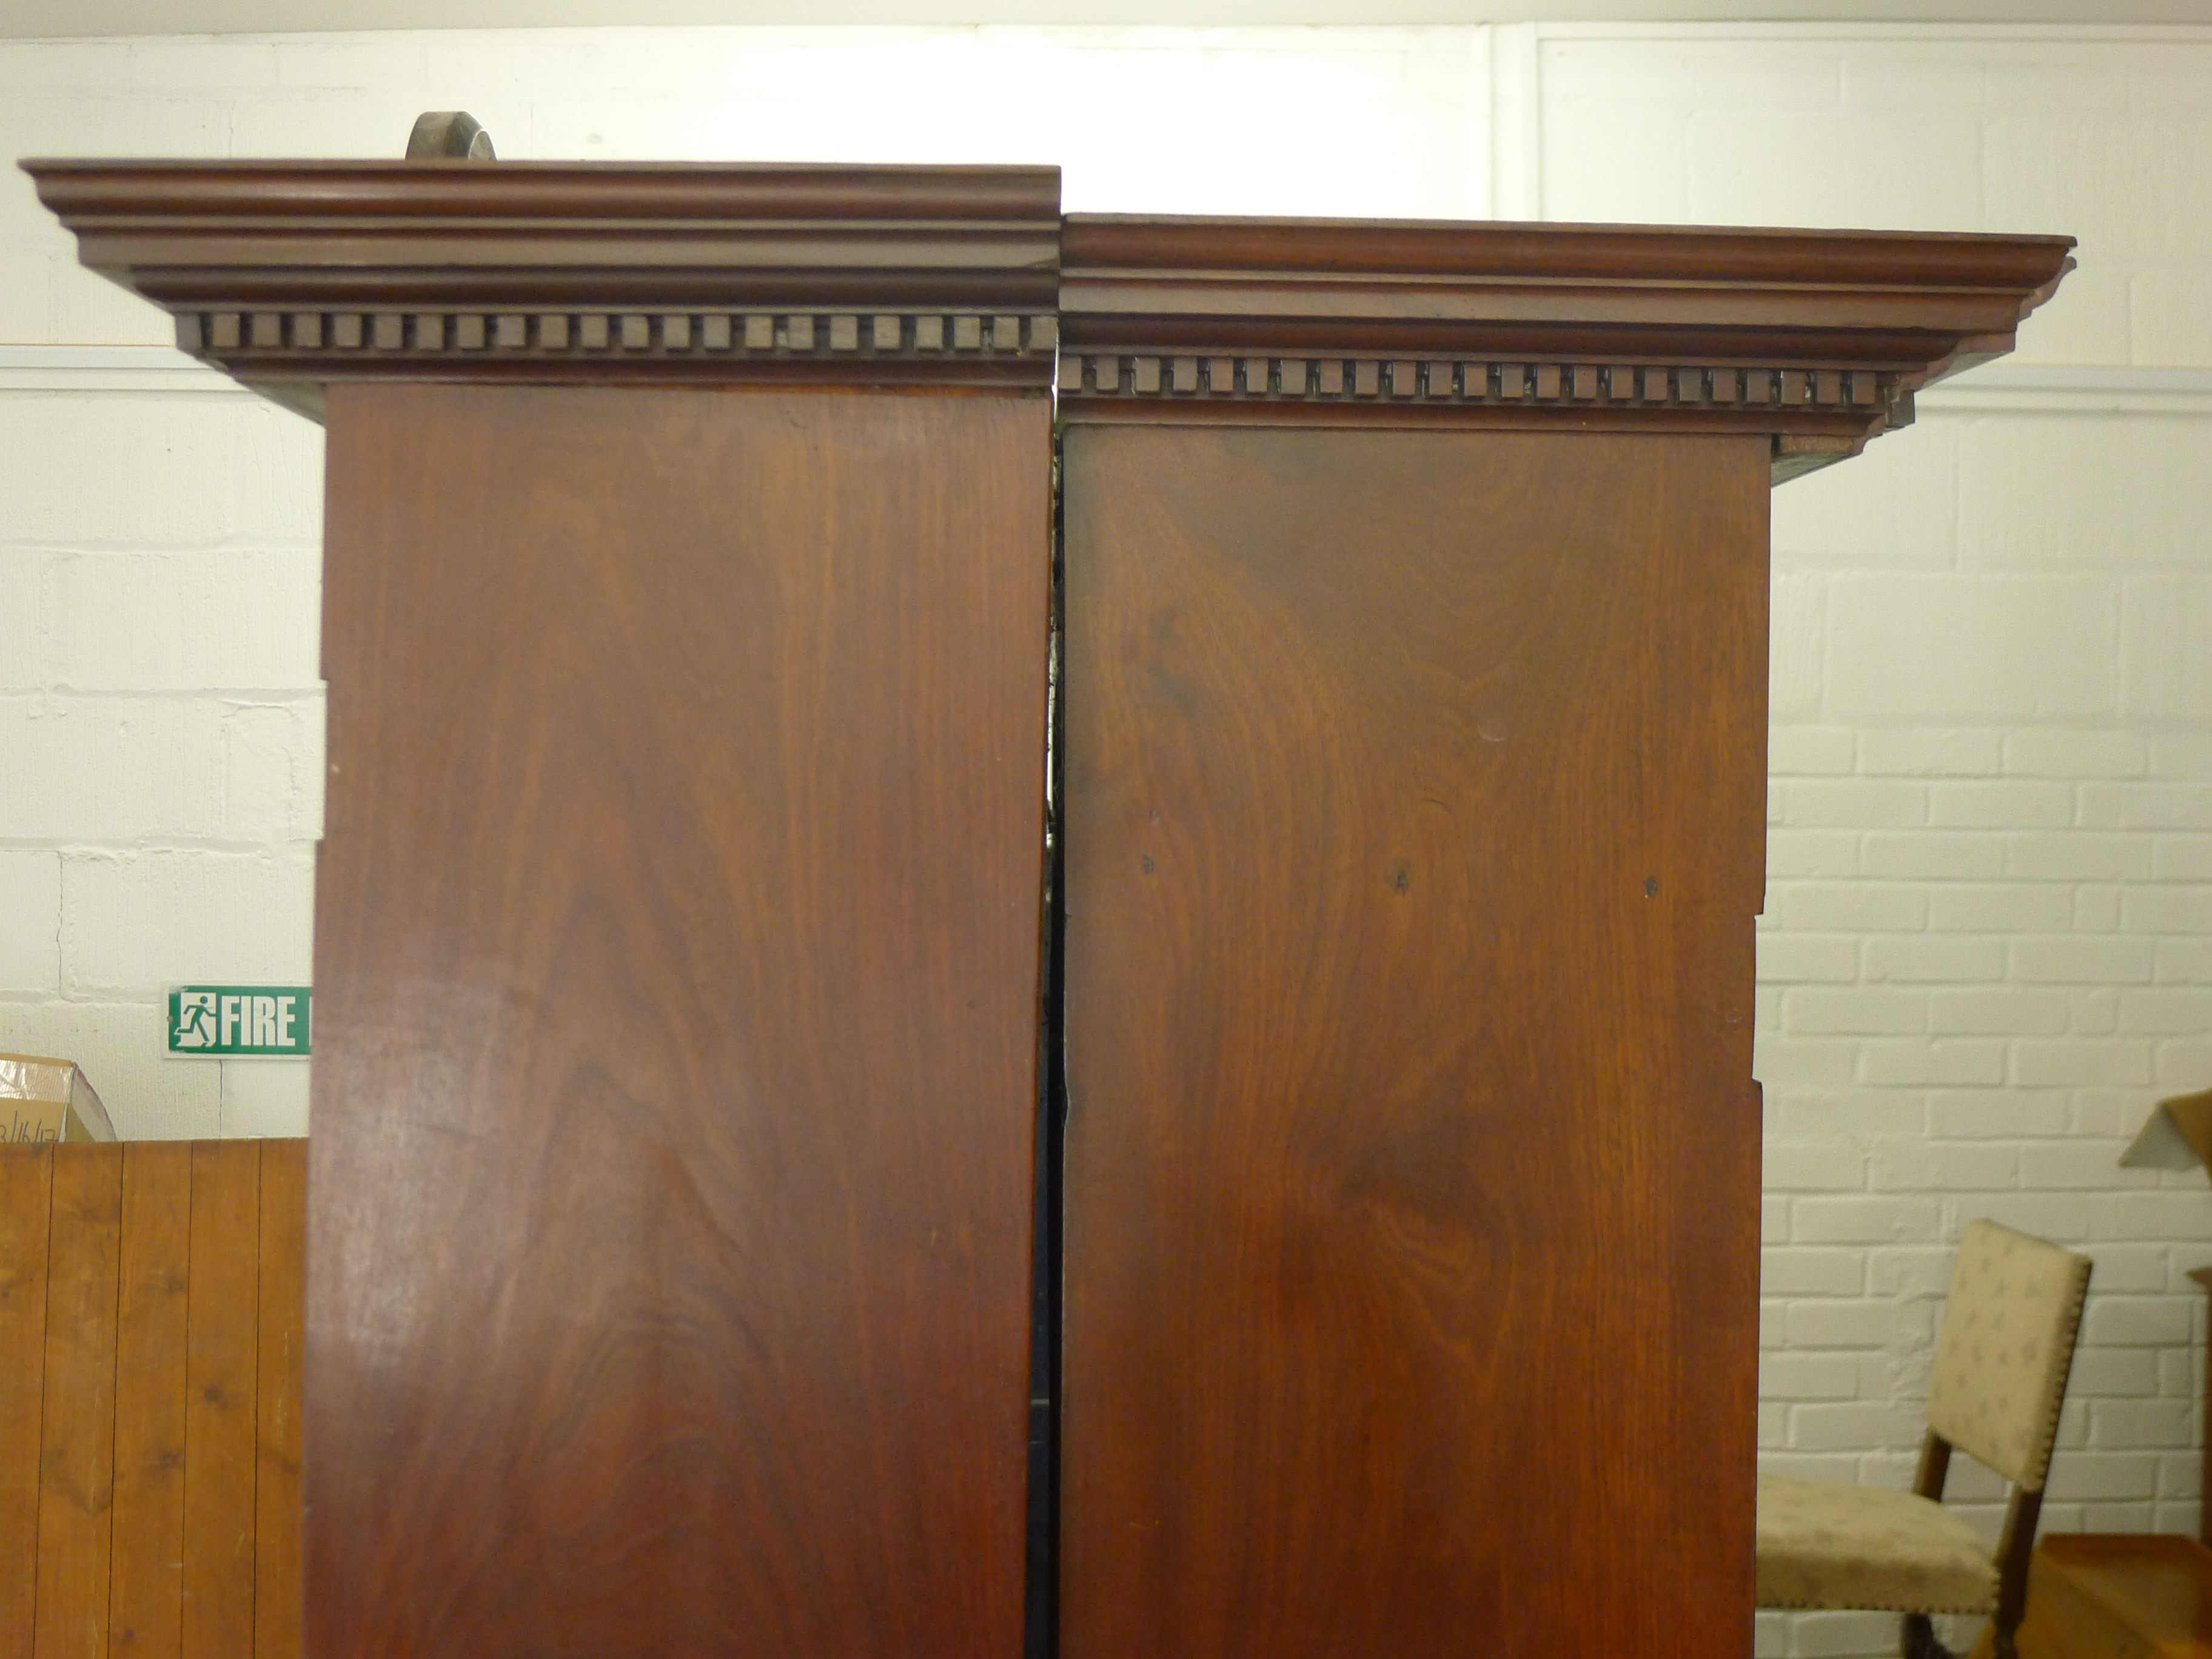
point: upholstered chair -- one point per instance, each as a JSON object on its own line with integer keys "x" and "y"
{"x": 2001, "y": 1366}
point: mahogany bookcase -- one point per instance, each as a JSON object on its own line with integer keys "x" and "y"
{"x": 694, "y": 954}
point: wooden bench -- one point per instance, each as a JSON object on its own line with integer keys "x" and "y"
{"x": 152, "y": 1300}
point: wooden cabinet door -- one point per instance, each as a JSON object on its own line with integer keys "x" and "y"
{"x": 1414, "y": 838}
{"x": 678, "y": 945}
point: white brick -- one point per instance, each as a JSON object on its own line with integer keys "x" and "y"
{"x": 1786, "y": 1375}
{"x": 2079, "y": 959}
{"x": 2092, "y": 1013}
{"x": 1773, "y": 1424}
{"x": 2155, "y": 1215}
{"x": 1945, "y": 1166}
{"x": 136, "y": 923}
{"x": 30, "y": 924}
{"x": 29, "y": 275}
{"x": 2165, "y": 1013}
{"x": 2144, "y": 806}
{"x": 1952, "y": 854}
{"x": 1858, "y": 1010}
{"x": 1797, "y": 620}
{"x": 264, "y": 1097}
{"x": 245, "y": 620}
{"x": 2182, "y": 961}
{"x": 1795, "y": 1270}
{"x": 1852, "y": 803}
{"x": 1848, "y": 906}
{"x": 1816, "y": 1168}
{"x": 1864, "y": 1220}
{"x": 2004, "y": 1113}
{"x": 121, "y": 1048}
{"x": 2182, "y": 755}
{"x": 2138, "y": 1321}
{"x": 1810, "y": 751}
{"x": 1920, "y": 958}
{"x": 2086, "y": 1166}
{"x": 1818, "y": 1322}
{"x": 110, "y": 769}
{"x": 2180, "y": 1063}
{"x": 131, "y": 470}
{"x": 1827, "y": 853}
{"x": 1807, "y": 959}
{"x": 2136, "y": 1425}
{"x": 1793, "y": 1062}
{"x": 2108, "y": 493}
{"x": 1858, "y": 1113}
{"x": 2061, "y": 1216}
{"x": 1610, "y": 156}
{"x": 1998, "y": 907}
{"x": 1841, "y": 1426}
{"x": 1843, "y": 1635}
{"x": 1773, "y": 1229}
{"x": 2170, "y": 316}
{"x": 2169, "y": 909}
{"x": 2123, "y": 1373}
{"x": 2180, "y": 857}
{"x": 2099, "y": 165}
{"x": 2053, "y": 752}
{"x": 2076, "y": 855}
{"x": 1892, "y": 506}
{"x": 2166, "y": 676}
{"x": 1915, "y": 1270}
{"x": 258, "y": 787}
{"x": 1954, "y": 753}
{"x": 1962, "y": 647}
{"x": 2005, "y": 1012}
{"x": 2057, "y": 1063}
{"x": 120, "y": 469}
{"x": 1913, "y": 1062}
{"x": 2177, "y": 1375}
{"x": 23, "y": 628}
{"x": 2132, "y": 1266}
{"x": 2008, "y": 805}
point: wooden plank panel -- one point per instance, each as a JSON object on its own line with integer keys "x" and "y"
{"x": 221, "y": 1374}
{"x": 27, "y": 1175}
{"x": 146, "y": 1594}
{"x": 678, "y": 973}
{"x": 277, "y": 1607}
{"x": 1414, "y": 787}
{"x": 77, "y": 1474}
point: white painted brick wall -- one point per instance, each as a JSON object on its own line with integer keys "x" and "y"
{"x": 1986, "y": 947}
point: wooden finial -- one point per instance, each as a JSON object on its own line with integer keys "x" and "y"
{"x": 448, "y": 135}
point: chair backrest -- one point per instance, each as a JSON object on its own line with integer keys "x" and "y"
{"x": 2006, "y": 1347}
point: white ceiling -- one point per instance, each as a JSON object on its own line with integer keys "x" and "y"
{"x": 54, "y": 19}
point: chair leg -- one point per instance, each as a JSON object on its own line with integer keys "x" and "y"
{"x": 1920, "y": 1641}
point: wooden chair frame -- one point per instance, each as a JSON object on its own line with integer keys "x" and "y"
{"x": 2015, "y": 1549}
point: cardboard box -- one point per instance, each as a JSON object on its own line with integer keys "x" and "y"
{"x": 43, "y": 1099}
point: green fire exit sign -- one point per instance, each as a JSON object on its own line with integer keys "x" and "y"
{"x": 218, "y": 1020}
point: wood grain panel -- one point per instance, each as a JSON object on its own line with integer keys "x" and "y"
{"x": 281, "y": 1343}
{"x": 76, "y": 1473}
{"x": 27, "y": 1177}
{"x": 676, "y": 949}
{"x": 221, "y": 1379}
{"x": 1414, "y": 786}
{"x": 146, "y": 1589}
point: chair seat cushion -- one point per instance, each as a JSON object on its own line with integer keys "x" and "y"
{"x": 1823, "y": 1544}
